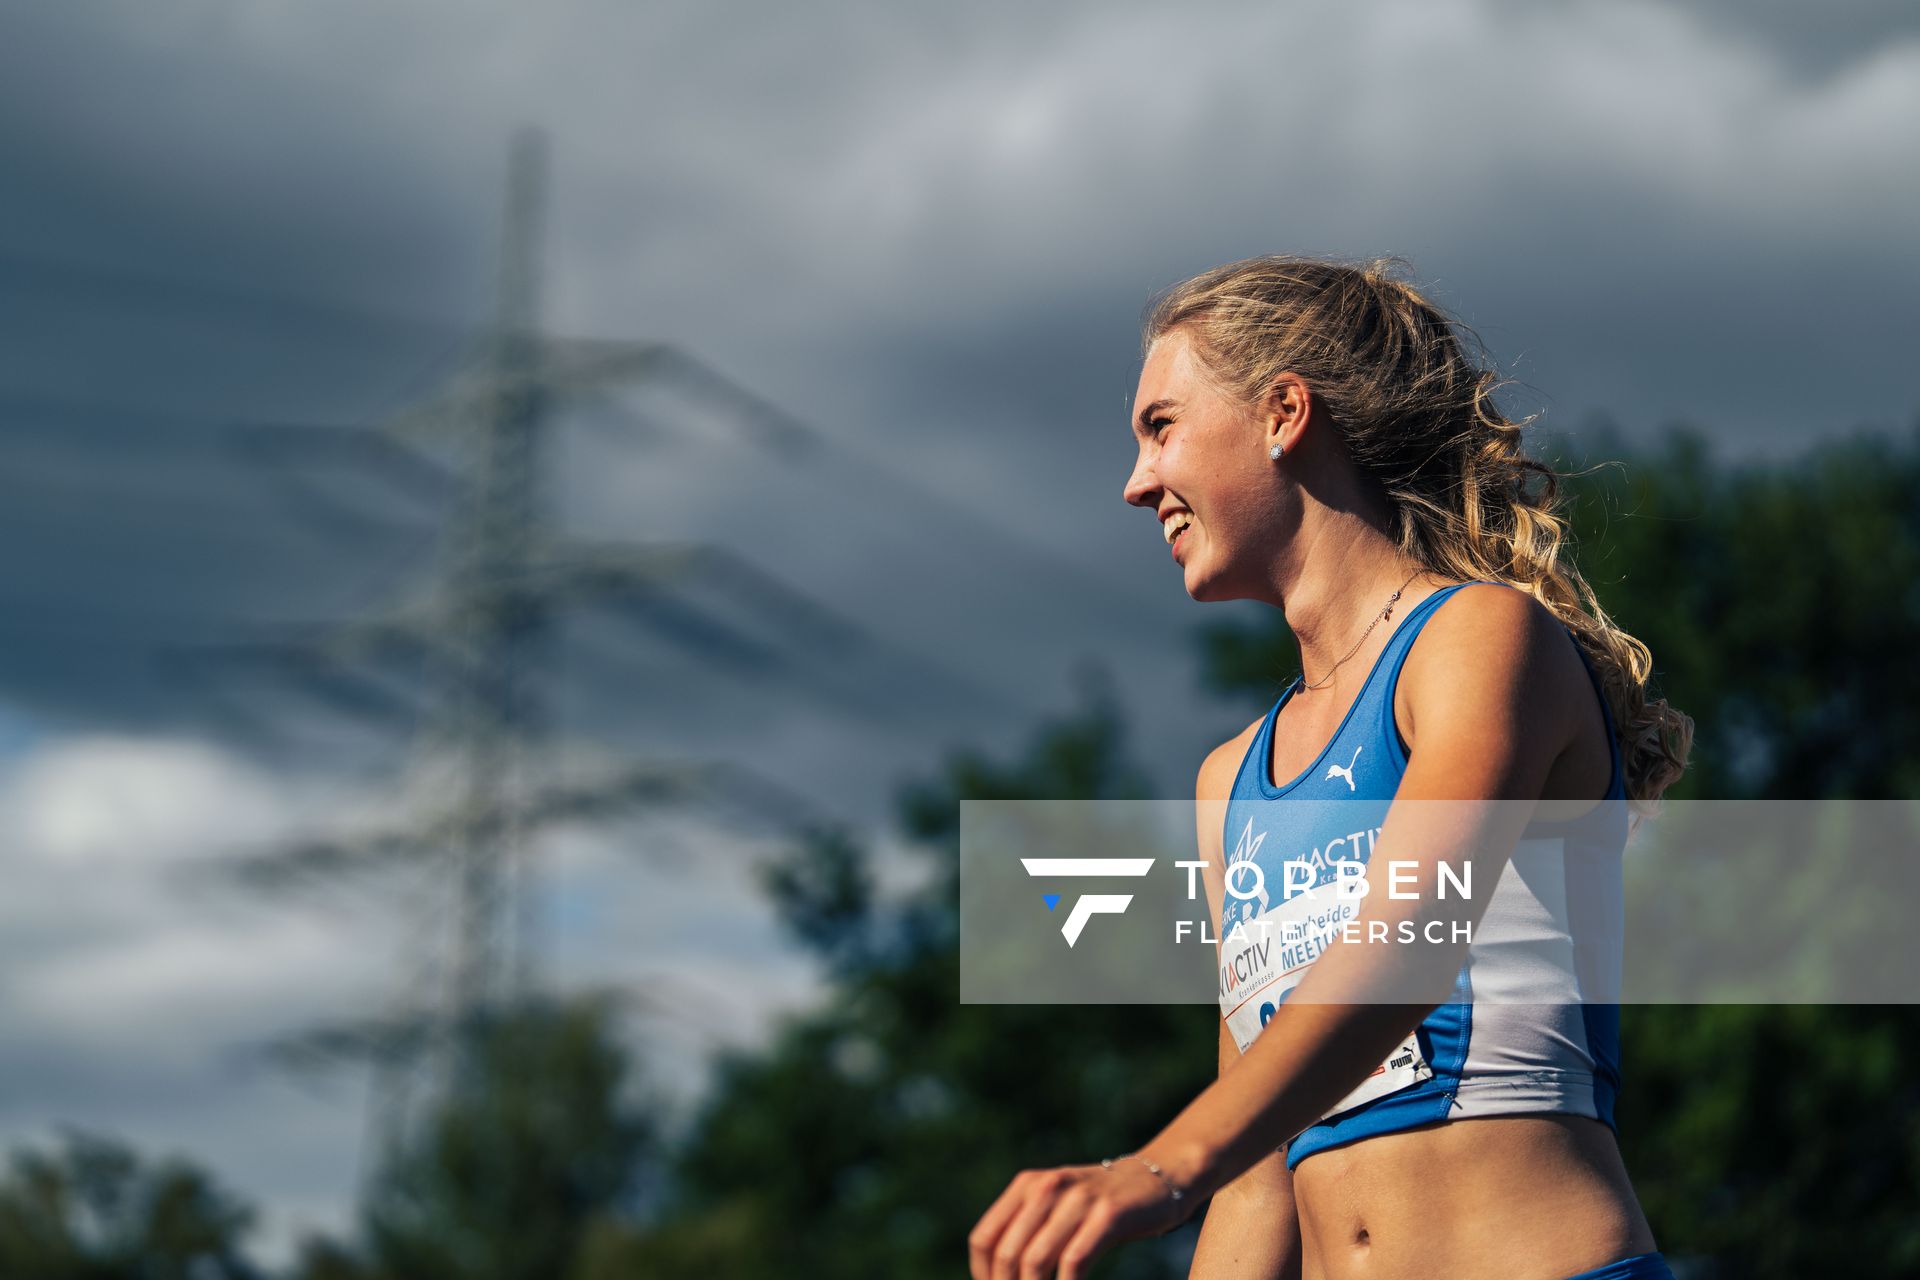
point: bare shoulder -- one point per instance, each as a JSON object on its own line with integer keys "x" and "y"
{"x": 1496, "y": 655}
{"x": 1483, "y": 616}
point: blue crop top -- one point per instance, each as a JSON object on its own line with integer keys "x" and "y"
{"x": 1551, "y": 933}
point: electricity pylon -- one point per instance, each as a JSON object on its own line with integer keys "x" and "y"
{"x": 481, "y": 634}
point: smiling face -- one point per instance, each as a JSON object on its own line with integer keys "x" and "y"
{"x": 1203, "y": 459}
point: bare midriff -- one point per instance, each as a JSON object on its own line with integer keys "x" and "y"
{"x": 1533, "y": 1197}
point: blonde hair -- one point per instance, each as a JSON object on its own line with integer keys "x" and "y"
{"x": 1409, "y": 391}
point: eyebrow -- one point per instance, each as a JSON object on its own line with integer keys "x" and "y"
{"x": 1146, "y": 414}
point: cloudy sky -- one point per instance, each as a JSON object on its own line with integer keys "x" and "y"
{"x": 921, "y": 237}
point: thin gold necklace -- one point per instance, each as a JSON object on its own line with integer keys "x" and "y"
{"x": 1362, "y": 640}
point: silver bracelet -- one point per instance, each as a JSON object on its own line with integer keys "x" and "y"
{"x": 1152, "y": 1168}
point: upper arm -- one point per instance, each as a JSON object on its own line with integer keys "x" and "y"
{"x": 1492, "y": 705}
{"x": 1495, "y": 693}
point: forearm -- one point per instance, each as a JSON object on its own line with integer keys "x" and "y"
{"x": 1308, "y": 1058}
{"x": 1252, "y": 1228}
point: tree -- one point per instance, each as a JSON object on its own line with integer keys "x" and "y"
{"x": 93, "y": 1211}
{"x": 509, "y": 1175}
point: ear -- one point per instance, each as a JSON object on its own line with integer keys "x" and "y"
{"x": 1285, "y": 411}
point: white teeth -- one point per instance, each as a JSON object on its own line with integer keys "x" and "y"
{"x": 1175, "y": 523}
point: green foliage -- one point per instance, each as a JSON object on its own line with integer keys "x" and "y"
{"x": 509, "y": 1175}
{"x": 825, "y": 895}
{"x": 92, "y": 1211}
{"x": 1781, "y": 1141}
{"x": 1781, "y": 602}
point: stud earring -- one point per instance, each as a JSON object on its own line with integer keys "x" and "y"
{"x": 1277, "y": 452}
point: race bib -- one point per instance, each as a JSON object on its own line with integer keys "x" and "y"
{"x": 1265, "y": 951}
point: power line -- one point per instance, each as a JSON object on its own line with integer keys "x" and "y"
{"x": 479, "y": 638}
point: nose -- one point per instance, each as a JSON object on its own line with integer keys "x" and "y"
{"x": 1142, "y": 488}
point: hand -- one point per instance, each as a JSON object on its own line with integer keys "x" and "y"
{"x": 1067, "y": 1217}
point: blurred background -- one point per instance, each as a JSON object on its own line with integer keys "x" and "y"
{"x": 519, "y": 525}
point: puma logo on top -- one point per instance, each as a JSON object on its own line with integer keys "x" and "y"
{"x": 1345, "y": 770}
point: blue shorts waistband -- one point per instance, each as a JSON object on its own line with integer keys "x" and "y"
{"x": 1641, "y": 1266}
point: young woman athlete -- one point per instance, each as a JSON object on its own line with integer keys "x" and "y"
{"x": 1321, "y": 437}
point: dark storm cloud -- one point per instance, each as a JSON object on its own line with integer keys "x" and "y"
{"x": 926, "y": 235}
{"x": 1814, "y": 41}
{"x": 173, "y": 273}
